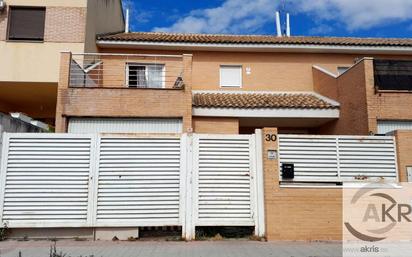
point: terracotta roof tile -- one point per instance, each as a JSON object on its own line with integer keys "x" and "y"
{"x": 261, "y": 100}
{"x": 254, "y": 39}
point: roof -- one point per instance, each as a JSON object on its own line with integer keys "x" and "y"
{"x": 254, "y": 39}
{"x": 257, "y": 100}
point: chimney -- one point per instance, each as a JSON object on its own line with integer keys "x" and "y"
{"x": 287, "y": 25}
{"x": 126, "y": 29}
{"x": 278, "y": 29}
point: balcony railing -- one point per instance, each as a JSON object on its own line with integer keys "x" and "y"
{"x": 127, "y": 70}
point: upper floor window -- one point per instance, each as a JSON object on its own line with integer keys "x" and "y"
{"x": 231, "y": 76}
{"x": 26, "y": 23}
{"x": 145, "y": 75}
{"x": 342, "y": 69}
{"x": 393, "y": 74}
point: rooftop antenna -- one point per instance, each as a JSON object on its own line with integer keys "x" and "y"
{"x": 287, "y": 25}
{"x": 278, "y": 29}
{"x": 126, "y": 29}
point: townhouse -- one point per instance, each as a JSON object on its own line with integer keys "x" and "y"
{"x": 234, "y": 84}
{"x": 193, "y": 130}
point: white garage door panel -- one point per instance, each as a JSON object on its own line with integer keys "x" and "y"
{"x": 387, "y": 126}
{"x": 47, "y": 181}
{"x": 102, "y": 125}
{"x": 139, "y": 181}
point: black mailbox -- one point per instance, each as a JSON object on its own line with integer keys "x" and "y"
{"x": 288, "y": 170}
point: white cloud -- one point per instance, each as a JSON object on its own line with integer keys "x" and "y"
{"x": 251, "y": 16}
{"x": 322, "y": 29}
{"x": 357, "y": 14}
{"x": 233, "y": 16}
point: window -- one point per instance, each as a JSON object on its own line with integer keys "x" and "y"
{"x": 393, "y": 74}
{"x": 145, "y": 75}
{"x": 26, "y": 23}
{"x": 230, "y": 76}
{"x": 342, "y": 69}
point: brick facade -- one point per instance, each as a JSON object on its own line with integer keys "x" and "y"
{"x": 404, "y": 153}
{"x": 62, "y": 24}
{"x": 122, "y": 101}
{"x": 65, "y": 24}
{"x": 216, "y": 125}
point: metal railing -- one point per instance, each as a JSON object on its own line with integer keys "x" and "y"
{"x": 126, "y": 70}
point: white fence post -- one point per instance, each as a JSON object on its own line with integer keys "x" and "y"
{"x": 188, "y": 230}
{"x": 260, "y": 228}
{"x": 3, "y": 171}
{"x": 94, "y": 179}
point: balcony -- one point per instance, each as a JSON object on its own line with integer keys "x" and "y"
{"x": 127, "y": 71}
{"x": 124, "y": 86}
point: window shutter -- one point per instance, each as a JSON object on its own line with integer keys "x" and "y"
{"x": 27, "y": 23}
{"x": 231, "y": 76}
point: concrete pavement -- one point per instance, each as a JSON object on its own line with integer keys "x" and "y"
{"x": 235, "y": 248}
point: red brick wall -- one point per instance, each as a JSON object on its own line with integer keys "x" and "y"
{"x": 65, "y": 24}
{"x": 404, "y": 152}
{"x": 216, "y": 125}
{"x": 123, "y": 101}
{"x": 351, "y": 94}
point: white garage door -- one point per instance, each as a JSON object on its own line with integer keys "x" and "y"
{"x": 108, "y": 125}
{"x": 387, "y": 126}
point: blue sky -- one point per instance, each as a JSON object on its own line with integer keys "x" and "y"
{"x": 363, "y": 18}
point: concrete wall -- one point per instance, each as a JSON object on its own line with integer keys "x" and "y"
{"x": 9, "y": 124}
{"x": 103, "y": 16}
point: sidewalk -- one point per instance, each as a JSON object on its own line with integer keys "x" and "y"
{"x": 172, "y": 249}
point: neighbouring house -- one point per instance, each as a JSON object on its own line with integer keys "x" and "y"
{"x": 32, "y": 35}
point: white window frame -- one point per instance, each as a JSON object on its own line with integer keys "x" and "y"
{"x": 146, "y": 72}
{"x": 234, "y": 66}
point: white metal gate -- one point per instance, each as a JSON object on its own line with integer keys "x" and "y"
{"x": 224, "y": 171}
{"x": 91, "y": 180}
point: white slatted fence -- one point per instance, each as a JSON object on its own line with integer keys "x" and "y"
{"x": 339, "y": 158}
{"x": 91, "y": 180}
{"x": 46, "y": 183}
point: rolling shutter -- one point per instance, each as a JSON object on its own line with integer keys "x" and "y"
{"x": 46, "y": 182}
{"x": 27, "y": 23}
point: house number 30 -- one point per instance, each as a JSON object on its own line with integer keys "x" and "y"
{"x": 270, "y": 137}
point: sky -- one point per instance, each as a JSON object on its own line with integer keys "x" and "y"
{"x": 355, "y": 18}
